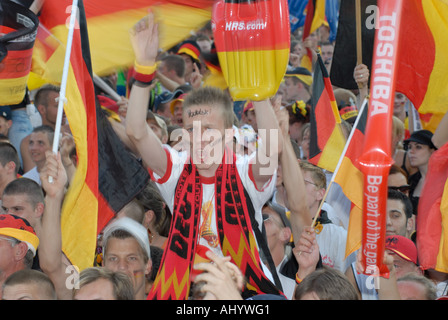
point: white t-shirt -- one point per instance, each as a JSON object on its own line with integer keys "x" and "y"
{"x": 33, "y": 175}
{"x": 167, "y": 186}
{"x": 332, "y": 241}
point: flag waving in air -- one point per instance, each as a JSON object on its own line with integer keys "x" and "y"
{"x": 107, "y": 177}
{"x": 315, "y": 17}
{"x": 327, "y": 139}
{"x": 351, "y": 179}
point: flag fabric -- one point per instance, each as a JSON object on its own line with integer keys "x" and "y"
{"x": 432, "y": 218}
{"x": 332, "y": 17}
{"x": 18, "y": 27}
{"x": 351, "y": 180}
{"x": 315, "y": 17}
{"x": 48, "y": 57}
{"x": 327, "y": 140}
{"x": 102, "y": 184}
{"x": 110, "y": 21}
{"x": 109, "y": 24}
{"x": 297, "y": 15}
{"x": 423, "y": 58}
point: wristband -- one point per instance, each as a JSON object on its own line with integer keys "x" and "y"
{"x": 298, "y": 280}
{"x": 144, "y": 74}
{"x": 146, "y": 70}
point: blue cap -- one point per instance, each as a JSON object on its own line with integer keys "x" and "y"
{"x": 5, "y": 112}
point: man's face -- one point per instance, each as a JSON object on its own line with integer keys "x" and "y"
{"x": 402, "y": 266}
{"x": 399, "y": 103}
{"x": 6, "y": 256}
{"x": 188, "y": 64}
{"x": 396, "y": 218}
{"x": 274, "y": 226}
{"x": 50, "y": 111}
{"x": 206, "y": 129}
{"x": 126, "y": 255}
{"x": 177, "y": 113}
{"x": 4, "y": 126}
{"x": 38, "y": 145}
{"x": 19, "y": 205}
{"x": 291, "y": 89}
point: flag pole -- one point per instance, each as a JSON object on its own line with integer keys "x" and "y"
{"x": 341, "y": 158}
{"x": 62, "y": 99}
{"x": 358, "y": 36}
{"x": 103, "y": 85}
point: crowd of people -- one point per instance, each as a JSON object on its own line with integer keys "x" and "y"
{"x": 234, "y": 213}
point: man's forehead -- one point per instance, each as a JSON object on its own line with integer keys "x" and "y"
{"x": 14, "y": 198}
{"x": 395, "y": 204}
{"x": 39, "y": 136}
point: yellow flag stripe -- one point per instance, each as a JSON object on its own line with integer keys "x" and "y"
{"x": 436, "y": 13}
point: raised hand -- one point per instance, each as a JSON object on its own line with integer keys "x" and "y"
{"x": 145, "y": 40}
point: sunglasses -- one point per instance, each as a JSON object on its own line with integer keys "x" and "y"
{"x": 402, "y": 189}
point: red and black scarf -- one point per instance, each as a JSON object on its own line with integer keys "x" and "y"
{"x": 235, "y": 215}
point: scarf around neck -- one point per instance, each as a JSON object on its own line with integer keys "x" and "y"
{"x": 234, "y": 217}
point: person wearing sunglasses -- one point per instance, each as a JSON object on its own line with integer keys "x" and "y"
{"x": 398, "y": 180}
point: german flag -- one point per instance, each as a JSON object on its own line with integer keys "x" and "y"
{"x": 327, "y": 140}
{"x": 315, "y": 17}
{"x": 109, "y": 24}
{"x": 432, "y": 218}
{"x": 423, "y": 58}
{"x": 18, "y": 27}
{"x": 106, "y": 176}
{"x": 48, "y": 57}
{"x": 110, "y": 21}
{"x": 351, "y": 179}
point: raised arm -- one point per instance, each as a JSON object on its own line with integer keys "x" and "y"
{"x": 145, "y": 42}
{"x": 51, "y": 258}
{"x": 293, "y": 179}
{"x": 271, "y": 145}
{"x": 440, "y": 136}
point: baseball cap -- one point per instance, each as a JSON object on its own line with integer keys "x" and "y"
{"x": 422, "y": 137}
{"x": 5, "y": 112}
{"x": 159, "y": 121}
{"x": 281, "y": 212}
{"x": 346, "y": 102}
{"x": 20, "y": 229}
{"x": 166, "y": 97}
{"x": 133, "y": 227}
{"x": 302, "y": 74}
{"x": 180, "y": 98}
{"x": 248, "y": 106}
{"x": 403, "y": 247}
{"x": 190, "y": 48}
